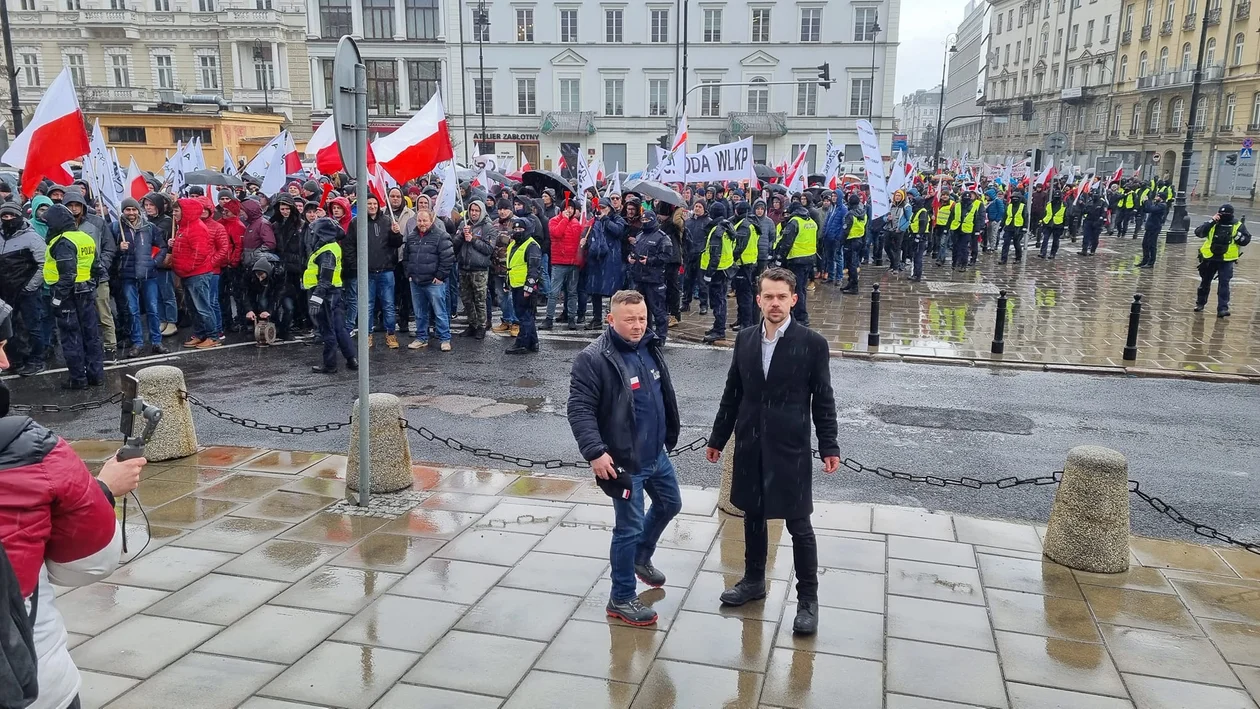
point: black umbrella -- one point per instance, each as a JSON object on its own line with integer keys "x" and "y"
{"x": 774, "y": 187}
{"x": 542, "y": 179}
{"x": 816, "y": 180}
{"x": 211, "y": 177}
{"x": 656, "y": 191}
{"x": 764, "y": 172}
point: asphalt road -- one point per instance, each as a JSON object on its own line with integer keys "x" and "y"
{"x": 1190, "y": 443}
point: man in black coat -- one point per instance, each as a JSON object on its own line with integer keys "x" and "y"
{"x": 779, "y": 378}
{"x": 624, "y": 417}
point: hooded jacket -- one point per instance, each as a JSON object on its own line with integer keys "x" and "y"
{"x": 24, "y": 238}
{"x": 326, "y": 231}
{"x": 36, "y": 223}
{"x": 258, "y": 233}
{"x": 605, "y": 266}
{"x": 229, "y": 217}
{"x": 263, "y": 295}
{"x": 428, "y": 255}
{"x": 193, "y": 251}
{"x": 654, "y": 245}
{"x": 475, "y": 254}
{"x": 134, "y": 263}
{"x": 163, "y": 226}
{"x": 218, "y": 235}
{"x": 697, "y": 229}
{"x": 383, "y": 242}
{"x": 566, "y": 237}
{"x": 94, "y": 227}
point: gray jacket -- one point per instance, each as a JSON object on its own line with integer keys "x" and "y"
{"x": 28, "y": 239}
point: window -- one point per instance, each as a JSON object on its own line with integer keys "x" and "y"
{"x": 382, "y": 86}
{"x": 1231, "y": 107}
{"x": 1191, "y": 7}
{"x": 29, "y": 66}
{"x": 807, "y": 98}
{"x": 1045, "y": 42}
{"x": 205, "y": 5}
{"x": 164, "y": 71}
{"x": 658, "y": 97}
{"x": 569, "y": 26}
{"x": 710, "y": 99}
{"x": 1148, "y": 16}
{"x": 524, "y": 24}
{"x": 208, "y": 71}
{"x": 1006, "y": 55}
{"x": 1210, "y": 55}
{"x": 1123, "y": 74}
{"x": 326, "y": 68}
{"x": 613, "y": 155}
{"x": 1152, "y": 122}
{"x": 612, "y": 26}
{"x": 378, "y": 19}
{"x": 1080, "y": 118}
{"x": 526, "y": 97}
{"x": 1058, "y": 41}
{"x": 1137, "y": 119}
{"x": 334, "y": 18}
{"x": 1170, "y": 9}
{"x": 1106, "y": 36}
{"x": 997, "y": 24}
{"x": 1115, "y": 120}
{"x": 265, "y": 69}
{"x": 1128, "y": 18}
{"x": 78, "y": 71}
{"x": 422, "y": 19}
{"x": 483, "y": 96}
{"x": 1089, "y": 33}
{"x": 614, "y": 97}
{"x": 73, "y": 5}
{"x": 864, "y": 24}
{"x": 1185, "y": 56}
{"x": 126, "y": 134}
{"x": 1100, "y": 117}
{"x": 811, "y": 24}
{"x": 120, "y": 70}
{"x": 262, "y": 4}
{"x": 188, "y": 135}
{"x": 1162, "y": 66}
{"x": 422, "y": 81}
{"x": 758, "y": 96}
{"x": 481, "y": 25}
{"x": 1142, "y": 64}
{"x": 1071, "y": 78}
{"x": 1200, "y": 114}
{"x": 1239, "y": 41}
{"x": 761, "y": 24}
{"x": 713, "y": 24}
{"x": 860, "y": 97}
{"x": 660, "y": 26}
{"x": 28, "y": 4}
{"x": 1175, "y": 112}
{"x": 1028, "y": 50}
{"x": 570, "y": 95}
{"x": 1255, "y": 109}
{"x": 1072, "y": 37}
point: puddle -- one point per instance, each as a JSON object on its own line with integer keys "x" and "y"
{"x": 480, "y": 406}
{"x": 527, "y": 382}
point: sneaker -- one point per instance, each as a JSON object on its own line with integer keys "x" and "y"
{"x": 354, "y": 332}
{"x": 371, "y": 341}
{"x": 418, "y": 344}
{"x": 672, "y": 321}
{"x": 704, "y": 310}
{"x": 547, "y": 324}
{"x": 158, "y": 349}
{"x": 445, "y": 347}
{"x": 745, "y": 591}
{"x": 209, "y": 343}
{"x": 631, "y": 611}
{"x": 515, "y": 330}
{"x": 501, "y": 327}
{"x": 391, "y": 340}
{"x": 192, "y": 341}
{"x": 30, "y": 369}
{"x": 168, "y": 329}
{"x": 649, "y": 574}
{"x": 806, "y": 622}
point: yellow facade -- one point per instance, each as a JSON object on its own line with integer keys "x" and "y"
{"x": 151, "y": 137}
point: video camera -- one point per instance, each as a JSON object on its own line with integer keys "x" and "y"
{"x": 133, "y": 445}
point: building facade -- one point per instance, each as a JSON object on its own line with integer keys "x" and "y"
{"x": 964, "y": 85}
{"x": 205, "y": 58}
{"x": 1051, "y": 70}
{"x": 918, "y": 113}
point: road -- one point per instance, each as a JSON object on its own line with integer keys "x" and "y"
{"x": 1188, "y": 442}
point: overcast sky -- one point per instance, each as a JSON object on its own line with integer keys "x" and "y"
{"x": 924, "y": 24}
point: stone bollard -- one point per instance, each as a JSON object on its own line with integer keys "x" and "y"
{"x": 175, "y": 436}
{"x": 388, "y": 451}
{"x": 724, "y": 485}
{"x": 1089, "y": 522}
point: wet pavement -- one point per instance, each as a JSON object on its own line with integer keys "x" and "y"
{"x": 259, "y": 592}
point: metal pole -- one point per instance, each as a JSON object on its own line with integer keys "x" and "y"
{"x": 361, "y": 235}
{"x": 481, "y": 61}
{"x": 686, "y": 4}
{"x": 999, "y": 328}
{"x": 872, "y": 338}
{"x": 1177, "y": 231}
{"x": 1135, "y": 315}
{"x": 14, "y": 104}
{"x": 940, "y": 111}
{"x": 463, "y": 67}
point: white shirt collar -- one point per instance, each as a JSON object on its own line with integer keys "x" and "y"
{"x": 782, "y": 328}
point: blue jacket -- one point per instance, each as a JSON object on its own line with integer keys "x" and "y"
{"x": 833, "y": 229}
{"x": 601, "y": 403}
{"x": 135, "y": 263}
{"x": 996, "y": 210}
{"x": 605, "y": 266}
{"x": 902, "y": 215}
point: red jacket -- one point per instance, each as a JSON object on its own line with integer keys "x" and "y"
{"x": 231, "y": 220}
{"x": 218, "y": 235}
{"x": 50, "y": 505}
{"x": 566, "y": 235}
{"x": 193, "y": 251}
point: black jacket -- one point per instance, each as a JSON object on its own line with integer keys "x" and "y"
{"x": 383, "y": 243}
{"x": 770, "y": 417}
{"x": 601, "y": 403}
{"x": 697, "y": 230}
{"x": 66, "y": 254}
{"x": 475, "y": 254}
{"x": 784, "y": 247}
{"x": 326, "y": 231}
{"x": 429, "y": 255}
{"x": 656, "y": 246}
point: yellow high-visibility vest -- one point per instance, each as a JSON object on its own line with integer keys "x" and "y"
{"x": 806, "y": 243}
{"x": 1016, "y": 219}
{"x": 749, "y": 256}
{"x": 914, "y": 222}
{"x": 1054, "y": 216}
{"x": 83, "y": 266}
{"x": 518, "y": 269}
{"x": 1232, "y": 253}
{"x": 965, "y": 224}
{"x": 857, "y": 229}
{"x": 310, "y": 278}
{"x": 942, "y": 214}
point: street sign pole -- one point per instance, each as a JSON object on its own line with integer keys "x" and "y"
{"x": 350, "y": 115}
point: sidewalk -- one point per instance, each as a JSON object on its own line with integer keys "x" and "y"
{"x": 261, "y": 589}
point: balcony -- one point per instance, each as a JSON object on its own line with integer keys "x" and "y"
{"x": 1133, "y": 132}
{"x": 1151, "y": 130}
{"x": 115, "y": 94}
{"x": 109, "y": 23}
{"x": 1242, "y": 10}
{"x": 1126, "y": 37}
{"x": 1178, "y": 78}
{"x": 1225, "y": 130}
{"x": 1114, "y": 134}
{"x": 1214, "y": 17}
{"x": 258, "y": 98}
{"x": 1187, "y": 23}
{"x": 567, "y": 123}
{"x": 1165, "y": 28}
{"x": 771, "y": 125}
{"x": 249, "y": 17}
{"x": 1146, "y": 32}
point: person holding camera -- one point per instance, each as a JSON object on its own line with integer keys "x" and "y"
{"x": 1223, "y": 238}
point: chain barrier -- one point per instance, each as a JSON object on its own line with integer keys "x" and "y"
{"x": 939, "y": 481}
{"x": 1203, "y": 530}
{"x": 257, "y": 425}
{"x": 70, "y": 408}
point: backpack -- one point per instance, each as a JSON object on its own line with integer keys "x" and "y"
{"x": 18, "y": 664}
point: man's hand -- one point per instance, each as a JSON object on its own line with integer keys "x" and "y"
{"x": 121, "y": 476}
{"x": 1216, "y": 217}
{"x": 124, "y": 244}
{"x": 713, "y": 454}
{"x": 831, "y": 464}
{"x": 437, "y": 281}
{"x": 264, "y": 315}
{"x": 603, "y": 467}
{"x": 249, "y": 315}
{"x": 394, "y": 228}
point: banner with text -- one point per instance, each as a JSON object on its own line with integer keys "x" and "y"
{"x": 729, "y": 161}
{"x": 874, "y": 164}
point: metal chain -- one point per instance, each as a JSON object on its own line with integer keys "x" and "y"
{"x": 939, "y": 481}
{"x": 1199, "y": 528}
{"x": 251, "y": 423}
{"x": 70, "y": 408}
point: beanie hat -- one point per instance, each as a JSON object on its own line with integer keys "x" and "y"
{"x": 128, "y": 202}
{"x": 228, "y": 194}
{"x": 311, "y": 186}
{"x": 717, "y": 210}
{"x": 15, "y": 210}
{"x": 503, "y": 203}
{"x": 741, "y": 208}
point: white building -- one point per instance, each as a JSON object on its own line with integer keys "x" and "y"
{"x": 965, "y": 84}
{"x": 918, "y": 113}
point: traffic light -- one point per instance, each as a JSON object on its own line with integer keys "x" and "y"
{"x": 1034, "y": 157}
{"x": 663, "y": 141}
{"x": 824, "y": 75}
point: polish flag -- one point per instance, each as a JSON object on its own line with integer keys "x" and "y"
{"x": 795, "y": 180}
{"x": 137, "y": 186}
{"x": 561, "y": 163}
{"x": 680, "y": 140}
{"x": 292, "y": 160}
{"x": 481, "y": 180}
{"x": 1046, "y": 176}
{"x": 525, "y": 166}
{"x": 1116, "y": 177}
{"x": 323, "y": 147}
{"x": 56, "y": 134}
{"x": 419, "y": 145}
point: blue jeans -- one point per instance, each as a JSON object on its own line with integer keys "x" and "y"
{"x": 381, "y": 284}
{"x": 199, "y": 290}
{"x": 433, "y": 295}
{"x": 216, "y": 309}
{"x": 506, "y": 306}
{"x": 564, "y": 279}
{"x": 635, "y": 534}
{"x": 166, "y": 291}
{"x": 143, "y": 293}
{"x": 546, "y": 275}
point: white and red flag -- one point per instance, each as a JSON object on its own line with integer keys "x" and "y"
{"x": 795, "y": 178}
{"x": 419, "y": 145}
{"x": 137, "y": 186}
{"x": 525, "y": 166}
{"x": 323, "y": 147}
{"x": 55, "y": 135}
{"x": 1046, "y": 176}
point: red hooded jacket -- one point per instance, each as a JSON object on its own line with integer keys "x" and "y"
{"x": 345, "y": 218}
{"x": 193, "y": 250}
{"x": 218, "y": 235}
{"x": 230, "y": 219}
{"x": 566, "y": 234}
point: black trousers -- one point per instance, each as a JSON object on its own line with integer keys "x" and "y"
{"x": 329, "y": 319}
{"x": 804, "y": 553}
{"x": 673, "y": 290}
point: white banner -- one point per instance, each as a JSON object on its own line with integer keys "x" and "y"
{"x": 897, "y": 173}
{"x": 729, "y": 161}
{"x": 874, "y": 164}
{"x": 98, "y": 169}
{"x": 665, "y": 170}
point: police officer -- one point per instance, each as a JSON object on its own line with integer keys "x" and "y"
{"x": 797, "y": 249}
{"x": 745, "y": 252}
{"x": 524, "y": 273}
{"x": 967, "y": 221}
{"x": 854, "y": 233}
{"x": 1223, "y": 239}
{"x": 71, "y": 271}
{"x": 920, "y": 226}
{"x": 1052, "y": 225}
{"x": 716, "y": 261}
{"x": 322, "y": 279}
{"x": 940, "y": 235}
{"x": 1092, "y": 215}
{"x": 1125, "y": 209}
{"x": 1156, "y": 210}
{"x": 651, "y": 251}
{"x": 1013, "y": 227}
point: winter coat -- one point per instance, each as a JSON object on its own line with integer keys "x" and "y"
{"x": 833, "y": 229}
{"x": 288, "y": 233}
{"x": 26, "y": 239}
{"x": 258, "y": 232}
{"x": 66, "y": 254}
{"x": 566, "y": 235}
{"x": 653, "y": 244}
{"x": 163, "y": 228}
{"x": 135, "y": 263}
{"x": 605, "y": 267}
{"x": 788, "y": 237}
{"x": 428, "y": 255}
{"x": 601, "y": 402}
{"x": 1155, "y": 214}
{"x": 477, "y": 254}
{"x": 697, "y": 231}
{"x": 501, "y": 236}
{"x": 770, "y": 417}
{"x": 326, "y": 231}
{"x": 229, "y": 218}
{"x": 383, "y": 243}
{"x": 1037, "y": 206}
{"x": 219, "y": 237}
{"x": 193, "y": 252}
{"x": 264, "y": 296}
{"x": 673, "y": 222}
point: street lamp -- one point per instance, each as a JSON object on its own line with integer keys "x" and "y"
{"x": 261, "y": 69}
{"x": 875, "y": 28}
{"x": 1180, "y": 227}
{"x": 481, "y": 22}
{"x": 951, "y": 45}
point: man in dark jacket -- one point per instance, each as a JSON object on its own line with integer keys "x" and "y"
{"x": 157, "y": 210}
{"x": 73, "y": 284}
{"x": 1156, "y": 211}
{"x": 474, "y": 251}
{"x": 697, "y": 228}
{"x": 324, "y": 281}
{"x": 652, "y": 251}
{"x": 429, "y": 257}
{"x": 525, "y": 277}
{"x": 266, "y": 298}
{"x": 746, "y": 237}
{"x": 16, "y": 237}
{"x": 779, "y": 379}
{"x": 796, "y": 250}
{"x": 717, "y": 260}
{"x": 136, "y": 271}
{"x": 1093, "y": 213}
{"x": 384, "y": 238}
{"x": 1223, "y": 238}
{"x": 624, "y": 416}
{"x": 92, "y": 225}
